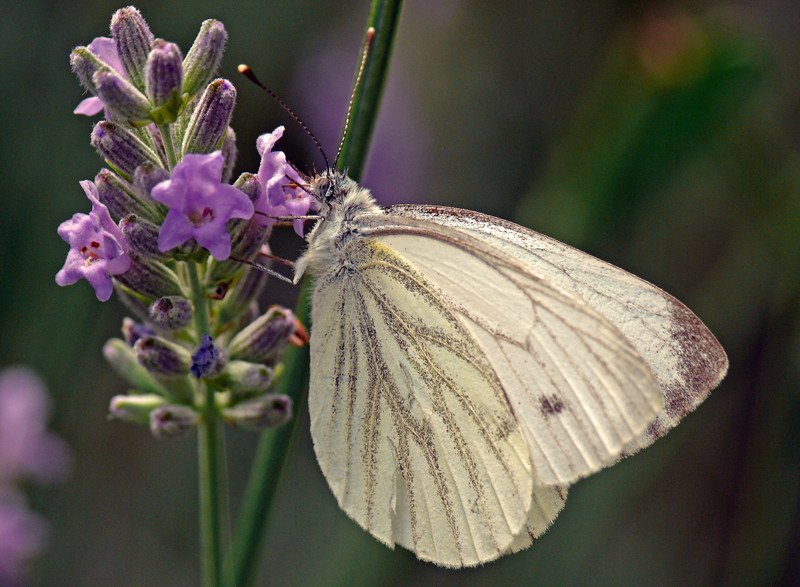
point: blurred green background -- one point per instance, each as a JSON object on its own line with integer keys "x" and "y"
{"x": 662, "y": 137}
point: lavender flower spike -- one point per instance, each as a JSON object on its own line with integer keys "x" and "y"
{"x": 274, "y": 174}
{"x": 97, "y": 247}
{"x": 200, "y": 206}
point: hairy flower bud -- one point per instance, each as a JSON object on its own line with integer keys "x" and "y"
{"x": 142, "y": 237}
{"x": 120, "y": 147}
{"x": 163, "y": 81}
{"x": 133, "y": 331}
{"x": 147, "y": 176}
{"x": 262, "y": 340}
{"x": 265, "y": 411}
{"x": 133, "y": 39}
{"x": 121, "y": 198}
{"x": 246, "y": 289}
{"x": 162, "y": 357}
{"x": 150, "y": 280}
{"x": 121, "y": 97}
{"x": 209, "y": 123}
{"x": 244, "y": 379}
{"x": 170, "y": 420}
{"x": 85, "y": 64}
{"x": 123, "y": 360}
{"x": 204, "y": 57}
{"x": 229, "y": 153}
{"x": 134, "y": 408}
{"x": 171, "y": 312}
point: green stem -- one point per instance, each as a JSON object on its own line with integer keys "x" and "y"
{"x": 210, "y": 457}
{"x": 274, "y": 447}
{"x": 383, "y": 18}
{"x": 169, "y": 145}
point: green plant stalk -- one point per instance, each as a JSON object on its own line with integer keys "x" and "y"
{"x": 210, "y": 458}
{"x": 275, "y": 445}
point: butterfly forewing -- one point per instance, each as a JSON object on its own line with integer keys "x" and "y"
{"x": 683, "y": 355}
{"x": 411, "y": 424}
{"x": 578, "y": 388}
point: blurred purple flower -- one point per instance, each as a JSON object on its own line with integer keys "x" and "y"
{"x": 277, "y": 198}
{"x": 27, "y": 449}
{"x": 106, "y": 50}
{"x": 97, "y": 247}
{"x": 22, "y": 536}
{"x": 200, "y": 205}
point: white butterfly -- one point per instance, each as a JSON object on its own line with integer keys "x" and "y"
{"x": 465, "y": 370}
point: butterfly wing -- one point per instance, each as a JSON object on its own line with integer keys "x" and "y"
{"x": 683, "y": 355}
{"x": 411, "y": 426}
{"x": 578, "y": 388}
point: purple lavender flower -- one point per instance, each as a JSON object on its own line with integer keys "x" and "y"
{"x": 106, "y": 50}
{"x": 22, "y": 536}
{"x": 200, "y": 206}
{"x": 275, "y": 175}
{"x": 27, "y": 449}
{"x": 97, "y": 247}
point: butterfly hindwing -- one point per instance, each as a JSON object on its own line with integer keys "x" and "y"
{"x": 411, "y": 426}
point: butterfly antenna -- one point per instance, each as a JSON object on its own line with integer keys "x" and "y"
{"x": 248, "y": 73}
{"x": 260, "y": 267}
{"x": 367, "y": 43}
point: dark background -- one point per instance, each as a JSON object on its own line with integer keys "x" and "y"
{"x": 660, "y": 136}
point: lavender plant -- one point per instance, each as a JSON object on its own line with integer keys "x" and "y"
{"x": 172, "y": 234}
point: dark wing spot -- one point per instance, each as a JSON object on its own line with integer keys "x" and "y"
{"x": 551, "y": 405}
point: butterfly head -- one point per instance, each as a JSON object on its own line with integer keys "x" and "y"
{"x": 337, "y": 194}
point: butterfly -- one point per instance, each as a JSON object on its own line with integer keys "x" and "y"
{"x": 466, "y": 370}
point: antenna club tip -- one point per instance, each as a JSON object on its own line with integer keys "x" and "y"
{"x": 371, "y": 32}
{"x": 242, "y": 67}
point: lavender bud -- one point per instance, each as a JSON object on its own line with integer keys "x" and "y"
{"x": 120, "y": 148}
{"x": 209, "y": 123}
{"x": 163, "y": 81}
{"x": 265, "y": 411}
{"x": 123, "y": 360}
{"x": 142, "y": 237}
{"x": 162, "y": 357}
{"x": 171, "y": 312}
{"x": 134, "y": 408}
{"x": 263, "y": 339}
{"x": 147, "y": 176}
{"x": 207, "y": 360}
{"x": 122, "y": 198}
{"x": 229, "y": 154}
{"x": 204, "y": 57}
{"x": 133, "y": 39}
{"x": 121, "y": 96}
{"x": 149, "y": 280}
{"x": 246, "y": 289}
{"x": 85, "y": 64}
{"x": 133, "y": 331}
{"x": 244, "y": 379}
{"x": 170, "y": 421}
